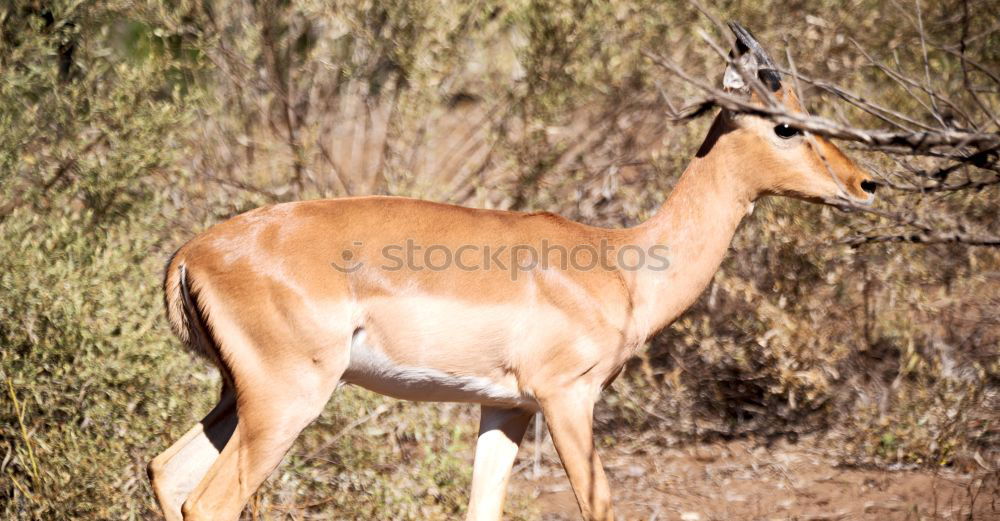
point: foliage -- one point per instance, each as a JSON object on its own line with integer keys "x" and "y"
{"x": 131, "y": 125}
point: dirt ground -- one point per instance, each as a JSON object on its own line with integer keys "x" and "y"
{"x": 742, "y": 480}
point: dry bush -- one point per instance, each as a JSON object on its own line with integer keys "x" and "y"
{"x": 166, "y": 118}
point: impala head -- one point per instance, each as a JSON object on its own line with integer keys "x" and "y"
{"x": 779, "y": 159}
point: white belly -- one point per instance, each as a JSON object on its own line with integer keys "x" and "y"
{"x": 371, "y": 369}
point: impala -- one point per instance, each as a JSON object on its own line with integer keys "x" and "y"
{"x": 292, "y": 299}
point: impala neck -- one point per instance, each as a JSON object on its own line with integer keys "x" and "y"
{"x": 696, "y": 224}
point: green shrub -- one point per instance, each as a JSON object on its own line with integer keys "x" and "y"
{"x": 130, "y": 126}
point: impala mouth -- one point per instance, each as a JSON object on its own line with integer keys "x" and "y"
{"x": 866, "y": 187}
{"x": 845, "y": 201}
{"x": 867, "y": 201}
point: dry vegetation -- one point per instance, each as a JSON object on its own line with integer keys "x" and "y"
{"x": 129, "y": 125}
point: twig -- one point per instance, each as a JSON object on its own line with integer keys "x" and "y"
{"x": 242, "y": 186}
{"x": 924, "y": 238}
{"x": 19, "y": 411}
{"x": 379, "y": 411}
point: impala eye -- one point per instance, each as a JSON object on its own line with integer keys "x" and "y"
{"x": 785, "y": 132}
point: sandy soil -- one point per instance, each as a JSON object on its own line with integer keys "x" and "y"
{"x": 747, "y": 481}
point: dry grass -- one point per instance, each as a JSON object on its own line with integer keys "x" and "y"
{"x": 174, "y": 117}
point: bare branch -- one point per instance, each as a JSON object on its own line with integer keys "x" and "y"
{"x": 926, "y": 238}
{"x": 914, "y": 140}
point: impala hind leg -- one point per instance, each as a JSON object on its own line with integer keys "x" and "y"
{"x": 273, "y": 408}
{"x": 175, "y": 472}
{"x": 500, "y": 434}
{"x": 569, "y": 417}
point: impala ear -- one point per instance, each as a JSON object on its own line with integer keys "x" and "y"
{"x": 751, "y": 56}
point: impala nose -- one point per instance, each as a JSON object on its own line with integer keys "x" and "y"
{"x": 869, "y": 186}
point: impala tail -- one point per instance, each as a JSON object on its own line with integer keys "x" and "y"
{"x": 187, "y": 316}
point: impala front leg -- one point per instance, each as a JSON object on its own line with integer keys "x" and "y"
{"x": 569, "y": 416}
{"x": 500, "y": 434}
